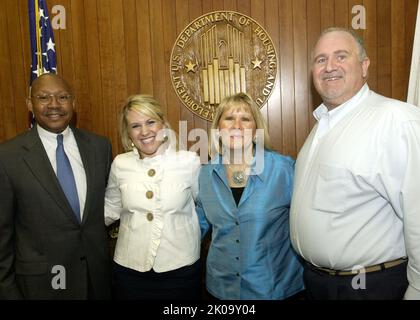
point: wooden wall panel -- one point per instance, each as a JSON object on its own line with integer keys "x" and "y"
{"x": 182, "y": 20}
{"x": 80, "y": 55}
{"x": 14, "y": 18}
{"x": 399, "y": 79}
{"x": 244, "y": 6}
{"x": 195, "y": 10}
{"x": 170, "y": 35}
{"x": 300, "y": 69}
{"x": 131, "y": 59}
{"x": 111, "y": 49}
{"x": 313, "y": 11}
{"x": 93, "y": 57}
{"x": 341, "y": 13}
{"x": 144, "y": 43}
{"x": 371, "y": 41}
{"x": 287, "y": 90}
{"x": 384, "y": 46}
{"x": 272, "y": 110}
{"x": 8, "y": 107}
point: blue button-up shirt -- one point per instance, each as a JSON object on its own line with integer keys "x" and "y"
{"x": 250, "y": 255}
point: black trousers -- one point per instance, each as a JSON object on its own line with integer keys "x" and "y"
{"x": 180, "y": 284}
{"x": 388, "y": 284}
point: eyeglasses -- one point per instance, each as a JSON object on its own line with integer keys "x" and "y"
{"x": 47, "y": 98}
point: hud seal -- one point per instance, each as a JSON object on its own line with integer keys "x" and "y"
{"x": 220, "y": 54}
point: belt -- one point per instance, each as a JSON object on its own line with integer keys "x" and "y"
{"x": 374, "y": 268}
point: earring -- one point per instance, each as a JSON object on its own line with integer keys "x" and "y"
{"x": 132, "y": 145}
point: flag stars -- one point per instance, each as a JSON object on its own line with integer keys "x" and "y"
{"x": 41, "y": 33}
{"x": 41, "y": 14}
{"x": 46, "y": 56}
{"x": 50, "y": 45}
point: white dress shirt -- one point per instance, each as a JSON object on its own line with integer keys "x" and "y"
{"x": 355, "y": 200}
{"x": 154, "y": 200}
{"x": 49, "y": 141}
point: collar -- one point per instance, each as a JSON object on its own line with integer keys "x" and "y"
{"x": 339, "y": 112}
{"x": 218, "y": 165}
{"x": 51, "y": 136}
{"x": 168, "y": 149}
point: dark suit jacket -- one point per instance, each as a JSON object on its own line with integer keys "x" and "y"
{"x": 38, "y": 229}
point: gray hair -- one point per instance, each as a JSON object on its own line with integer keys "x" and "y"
{"x": 359, "y": 41}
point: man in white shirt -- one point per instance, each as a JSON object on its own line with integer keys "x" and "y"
{"x": 355, "y": 213}
{"x": 53, "y": 241}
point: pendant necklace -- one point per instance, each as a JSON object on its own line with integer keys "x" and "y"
{"x": 238, "y": 177}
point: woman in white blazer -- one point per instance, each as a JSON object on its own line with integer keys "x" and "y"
{"x": 151, "y": 190}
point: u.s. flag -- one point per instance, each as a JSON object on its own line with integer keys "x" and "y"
{"x": 42, "y": 40}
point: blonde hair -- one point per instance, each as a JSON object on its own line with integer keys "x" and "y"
{"x": 145, "y": 104}
{"x": 229, "y": 102}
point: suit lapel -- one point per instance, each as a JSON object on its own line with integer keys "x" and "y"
{"x": 87, "y": 154}
{"x": 38, "y": 162}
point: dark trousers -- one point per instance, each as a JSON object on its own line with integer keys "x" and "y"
{"x": 180, "y": 284}
{"x": 388, "y": 284}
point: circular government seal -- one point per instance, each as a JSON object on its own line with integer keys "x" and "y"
{"x": 220, "y": 54}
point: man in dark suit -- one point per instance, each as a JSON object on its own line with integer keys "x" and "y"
{"x": 53, "y": 242}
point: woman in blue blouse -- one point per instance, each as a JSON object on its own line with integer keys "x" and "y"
{"x": 244, "y": 197}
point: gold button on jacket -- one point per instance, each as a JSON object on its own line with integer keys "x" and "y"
{"x": 149, "y": 216}
{"x": 149, "y": 194}
{"x": 151, "y": 172}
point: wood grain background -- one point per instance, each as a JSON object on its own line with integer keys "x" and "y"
{"x": 111, "y": 49}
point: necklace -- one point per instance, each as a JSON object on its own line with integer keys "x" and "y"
{"x": 238, "y": 177}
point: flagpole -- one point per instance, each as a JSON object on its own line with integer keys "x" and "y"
{"x": 41, "y": 36}
{"x": 38, "y": 39}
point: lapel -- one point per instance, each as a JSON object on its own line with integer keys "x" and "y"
{"x": 38, "y": 162}
{"x": 87, "y": 153}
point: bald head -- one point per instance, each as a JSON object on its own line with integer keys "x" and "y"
{"x": 47, "y": 77}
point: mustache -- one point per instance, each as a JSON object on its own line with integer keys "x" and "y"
{"x": 54, "y": 112}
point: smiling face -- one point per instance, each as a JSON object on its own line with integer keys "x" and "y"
{"x": 337, "y": 71}
{"x": 51, "y": 103}
{"x": 237, "y": 127}
{"x": 144, "y": 132}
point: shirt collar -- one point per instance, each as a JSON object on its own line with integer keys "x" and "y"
{"x": 150, "y": 160}
{"x": 339, "y": 112}
{"x": 51, "y": 136}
